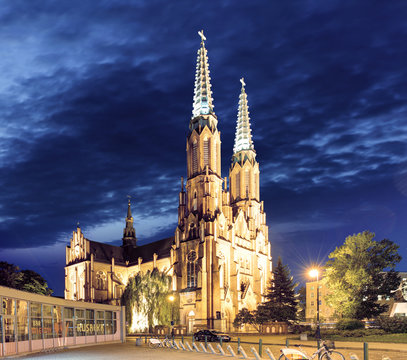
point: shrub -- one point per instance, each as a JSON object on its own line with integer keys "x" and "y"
{"x": 392, "y": 324}
{"x": 349, "y": 324}
{"x": 299, "y": 329}
{"x": 332, "y": 333}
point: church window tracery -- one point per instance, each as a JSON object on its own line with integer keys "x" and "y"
{"x": 101, "y": 280}
{"x": 195, "y": 157}
{"x": 191, "y": 270}
{"x": 195, "y": 202}
{"x": 206, "y": 152}
{"x": 237, "y": 182}
{"x": 247, "y": 182}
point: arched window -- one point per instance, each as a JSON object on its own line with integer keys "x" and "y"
{"x": 215, "y": 163}
{"x": 191, "y": 270}
{"x": 247, "y": 182}
{"x": 256, "y": 187}
{"x": 195, "y": 202}
{"x": 101, "y": 280}
{"x": 237, "y": 182}
{"x": 206, "y": 152}
{"x": 194, "y": 157}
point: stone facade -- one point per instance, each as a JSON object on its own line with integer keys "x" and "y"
{"x": 220, "y": 257}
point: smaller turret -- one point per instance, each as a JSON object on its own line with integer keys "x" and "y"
{"x": 129, "y": 233}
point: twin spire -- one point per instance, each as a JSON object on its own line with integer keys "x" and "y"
{"x": 203, "y": 101}
{"x": 243, "y": 136}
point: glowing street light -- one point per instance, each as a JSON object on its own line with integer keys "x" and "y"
{"x": 314, "y": 273}
{"x": 171, "y": 299}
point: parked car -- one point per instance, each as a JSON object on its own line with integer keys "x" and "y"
{"x": 211, "y": 335}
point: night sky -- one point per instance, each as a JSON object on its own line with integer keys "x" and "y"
{"x": 96, "y": 98}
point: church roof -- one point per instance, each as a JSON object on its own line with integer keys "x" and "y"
{"x": 161, "y": 247}
{"x": 105, "y": 252}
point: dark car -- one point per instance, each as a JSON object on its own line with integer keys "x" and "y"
{"x": 211, "y": 335}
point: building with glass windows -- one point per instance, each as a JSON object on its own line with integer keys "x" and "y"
{"x": 31, "y": 322}
{"x": 219, "y": 258}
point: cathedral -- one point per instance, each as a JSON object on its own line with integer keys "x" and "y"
{"x": 219, "y": 258}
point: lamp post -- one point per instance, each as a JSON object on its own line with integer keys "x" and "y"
{"x": 171, "y": 299}
{"x": 314, "y": 273}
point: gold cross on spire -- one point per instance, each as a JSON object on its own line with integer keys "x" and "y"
{"x": 129, "y": 197}
{"x": 201, "y": 34}
{"x": 242, "y": 81}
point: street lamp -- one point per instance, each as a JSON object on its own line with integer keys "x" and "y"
{"x": 171, "y": 299}
{"x": 314, "y": 273}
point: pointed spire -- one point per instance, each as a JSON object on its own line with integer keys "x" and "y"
{"x": 243, "y": 136}
{"x": 129, "y": 233}
{"x": 203, "y": 102}
{"x": 129, "y": 208}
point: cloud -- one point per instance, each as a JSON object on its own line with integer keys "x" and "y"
{"x": 95, "y": 102}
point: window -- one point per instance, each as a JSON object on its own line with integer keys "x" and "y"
{"x": 195, "y": 202}
{"x": 215, "y": 165}
{"x": 68, "y": 317}
{"x": 191, "y": 270}
{"x": 109, "y": 322}
{"x": 9, "y": 331}
{"x": 36, "y": 321}
{"x": 206, "y": 152}
{"x": 57, "y": 317}
{"x": 101, "y": 280}
{"x": 9, "y": 306}
{"x": 22, "y": 320}
{"x": 255, "y": 186}
{"x": 47, "y": 321}
{"x": 90, "y": 322}
{"x": 247, "y": 182}
{"x": 100, "y": 322}
{"x": 237, "y": 183}
{"x": 194, "y": 157}
{"x": 80, "y": 322}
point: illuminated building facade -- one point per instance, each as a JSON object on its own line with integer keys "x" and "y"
{"x": 220, "y": 256}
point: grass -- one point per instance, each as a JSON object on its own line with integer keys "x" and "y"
{"x": 386, "y": 338}
{"x": 281, "y": 339}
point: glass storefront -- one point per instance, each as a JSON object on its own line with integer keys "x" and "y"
{"x": 27, "y": 320}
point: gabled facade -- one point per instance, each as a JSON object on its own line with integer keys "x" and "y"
{"x": 220, "y": 257}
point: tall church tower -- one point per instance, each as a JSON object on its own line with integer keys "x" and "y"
{"x": 201, "y": 201}
{"x": 244, "y": 169}
{"x": 221, "y": 252}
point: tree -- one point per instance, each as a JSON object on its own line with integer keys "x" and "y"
{"x": 355, "y": 275}
{"x": 33, "y": 282}
{"x": 244, "y": 316}
{"x": 146, "y": 298}
{"x": 10, "y": 275}
{"x": 281, "y": 304}
{"x": 302, "y": 299}
{"x": 26, "y": 280}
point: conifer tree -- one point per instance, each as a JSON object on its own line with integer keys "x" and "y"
{"x": 281, "y": 303}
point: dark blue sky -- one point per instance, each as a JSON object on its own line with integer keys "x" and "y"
{"x": 95, "y": 100}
